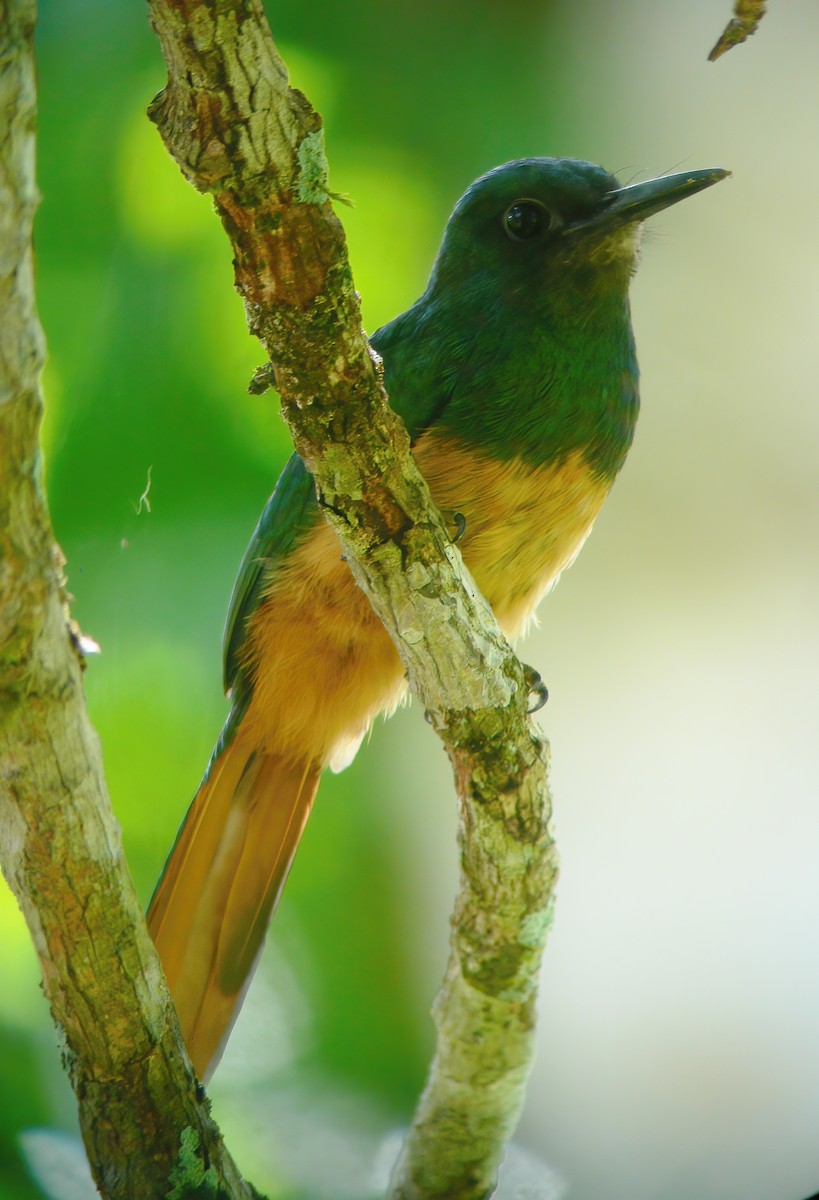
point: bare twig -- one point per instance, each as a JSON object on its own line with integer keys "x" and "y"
{"x": 745, "y": 21}
{"x": 241, "y": 134}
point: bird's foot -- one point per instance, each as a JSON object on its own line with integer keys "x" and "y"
{"x": 459, "y": 521}
{"x": 453, "y": 517}
{"x": 537, "y": 688}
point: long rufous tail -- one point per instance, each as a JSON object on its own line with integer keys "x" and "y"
{"x": 212, "y": 906}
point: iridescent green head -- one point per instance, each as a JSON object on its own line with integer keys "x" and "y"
{"x": 552, "y": 219}
{"x": 521, "y": 345}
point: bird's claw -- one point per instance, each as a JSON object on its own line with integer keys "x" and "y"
{"x": 536, "y": 688}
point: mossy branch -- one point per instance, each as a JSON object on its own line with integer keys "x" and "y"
{"x": 60, "y": 846}
{"x": 241, "y": 134}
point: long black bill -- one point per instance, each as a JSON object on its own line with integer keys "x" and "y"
{"x": 642, "y": 200}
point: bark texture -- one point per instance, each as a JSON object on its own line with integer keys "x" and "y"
{"x": 60, "y": 846}
{"x": 241, "y": 134}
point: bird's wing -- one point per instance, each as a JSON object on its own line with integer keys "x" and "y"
{"x": 289, "y": 513}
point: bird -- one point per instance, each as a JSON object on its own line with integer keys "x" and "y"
{"x": 516, "y": 376}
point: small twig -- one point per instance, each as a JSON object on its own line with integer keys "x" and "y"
{"x": 745, "y": 21}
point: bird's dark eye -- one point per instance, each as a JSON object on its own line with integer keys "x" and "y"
{"x": 524, "y": 220}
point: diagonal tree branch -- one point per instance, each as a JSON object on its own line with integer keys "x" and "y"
{"x": 242, "y": 135}
{"x": 60, "y": 846}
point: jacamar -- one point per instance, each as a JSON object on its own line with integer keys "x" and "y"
{"x": 516, "y": 376}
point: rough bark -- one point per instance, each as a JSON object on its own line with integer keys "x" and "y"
{"x": 242, "y": 135}
{"x": 60, "y": 846}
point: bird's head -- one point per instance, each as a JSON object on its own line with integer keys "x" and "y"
{"x": 543, "y": 225}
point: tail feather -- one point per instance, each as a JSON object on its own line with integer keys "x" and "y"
{"x": 213, "y": 904}
{"x": 259, "y": 878}
{"x": 170, "y": 916}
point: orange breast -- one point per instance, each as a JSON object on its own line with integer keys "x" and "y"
{"x": 324, "y": 666}
{"x": 524, "y": 525}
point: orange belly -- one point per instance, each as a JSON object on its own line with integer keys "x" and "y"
{"x": 323, "y": 664}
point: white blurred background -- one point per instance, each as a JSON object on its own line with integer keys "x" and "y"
{"x": 679, "y": 1054}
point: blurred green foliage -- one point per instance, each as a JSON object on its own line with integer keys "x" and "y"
{"x": 145, "y": 387}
